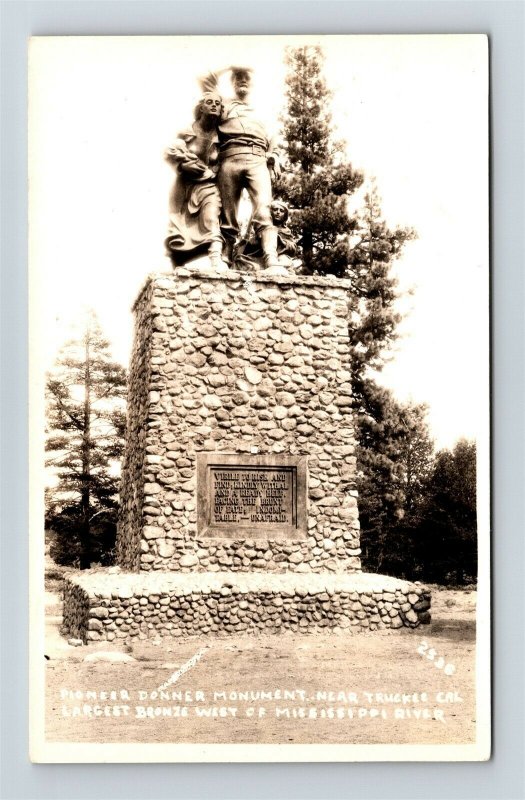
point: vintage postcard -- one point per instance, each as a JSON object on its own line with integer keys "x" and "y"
{"x": 259, "y": 398}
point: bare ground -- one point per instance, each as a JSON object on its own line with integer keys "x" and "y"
{"x": 362, "y": 664}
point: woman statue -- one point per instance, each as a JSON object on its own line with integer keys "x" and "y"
{"x": 195, "y": 202}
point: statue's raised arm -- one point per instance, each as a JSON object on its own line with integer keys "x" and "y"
{"x": 210, "y": 81}
{"x": 247, "y": 160}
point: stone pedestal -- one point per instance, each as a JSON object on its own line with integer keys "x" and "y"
{"x": 102, "y": 606}
{"x": 258, "y": 370}
{"x": 238, "y": 498}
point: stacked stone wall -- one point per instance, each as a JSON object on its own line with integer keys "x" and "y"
{"x": 238, "y": 365}
{"x": 163, "y": 605}
{"x": 135, "y": 457}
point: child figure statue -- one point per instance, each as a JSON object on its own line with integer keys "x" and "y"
{"x": 249, "y": 253}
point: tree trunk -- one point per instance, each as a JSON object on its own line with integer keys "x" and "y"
{"x": 85, "y": 549}
{"x": 308, "y": 248}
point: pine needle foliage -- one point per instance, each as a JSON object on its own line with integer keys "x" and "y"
{"x": 85, "y": 394}
{"x": 395, "y": 458}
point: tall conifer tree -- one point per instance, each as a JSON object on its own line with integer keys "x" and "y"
{"x": 316, "y": 181}
{"x": 85, "y": 434}
{"x": 317, "y": 184}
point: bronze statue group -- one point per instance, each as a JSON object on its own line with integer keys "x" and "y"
{"x": 225, "y": 151}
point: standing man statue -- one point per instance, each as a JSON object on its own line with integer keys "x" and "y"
{"x": 246, "y": 161}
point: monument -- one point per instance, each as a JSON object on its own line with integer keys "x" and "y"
{"x": 239, "y": 508}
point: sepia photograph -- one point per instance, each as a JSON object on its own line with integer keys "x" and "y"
{"x": 259, "y": 398}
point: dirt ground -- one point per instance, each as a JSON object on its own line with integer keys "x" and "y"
{"x": 384, "y": 687}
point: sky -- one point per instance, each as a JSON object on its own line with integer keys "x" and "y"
{"x": 413, "y": 111}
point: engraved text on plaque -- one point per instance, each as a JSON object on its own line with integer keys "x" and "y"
{"x": 252, "y": 495}
{"x": 246, "y": 495}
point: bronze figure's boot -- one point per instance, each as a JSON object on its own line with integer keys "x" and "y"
{"x": 215, "y": 254}
{"x": 269, "y": 248}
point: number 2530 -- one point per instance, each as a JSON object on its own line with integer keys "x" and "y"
{"x": 429, "y": 652}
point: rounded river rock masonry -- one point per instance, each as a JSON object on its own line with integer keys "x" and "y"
{"x": 239, "y": 510}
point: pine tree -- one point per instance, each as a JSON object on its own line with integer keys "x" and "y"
{"x": 394, "y": 458}
{"x": 447, "y": 532}
{"x": 85, "y": 433}
{"x": 373, "y": 249}
{"x": 416, "y": 460}
{"x": 316, "y": 182}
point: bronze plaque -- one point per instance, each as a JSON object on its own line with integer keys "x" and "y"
{"x": 246, "y": 496}
{"x": 252, "y": 495}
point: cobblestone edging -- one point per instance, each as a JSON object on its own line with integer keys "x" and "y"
{"x": 103, "y": 606}
{"x": 239, "y": 364}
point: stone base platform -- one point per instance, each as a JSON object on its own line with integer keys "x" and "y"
{"x": 105, "y": 605}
